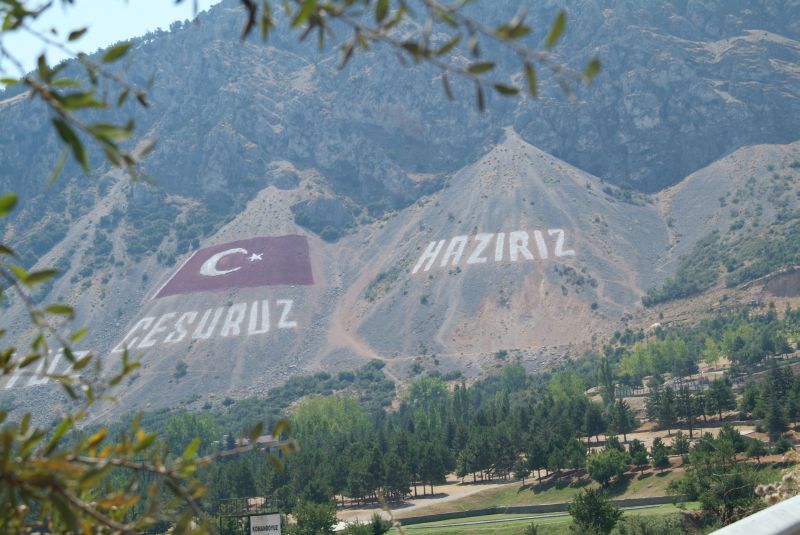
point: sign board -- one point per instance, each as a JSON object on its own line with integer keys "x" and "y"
{"x": 260, "y": 524}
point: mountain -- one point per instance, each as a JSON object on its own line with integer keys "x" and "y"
{"x": 438, "y": 238}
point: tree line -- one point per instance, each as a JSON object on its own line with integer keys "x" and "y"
{"x": 509, "y": 425}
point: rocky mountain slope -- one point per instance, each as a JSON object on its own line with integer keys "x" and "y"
{"x": 439, "y": 238}
{"x": 519, "y": 256}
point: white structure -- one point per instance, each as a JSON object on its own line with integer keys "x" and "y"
{"x": 780, "y": 519}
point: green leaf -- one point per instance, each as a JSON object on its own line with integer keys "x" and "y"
{"x": 82, "y": 362}
{"x": 557, "y": 29}
{"x": 414, "y": 49}
{"x": 56, "y": 172}
{"x": 62, "y": 428}
{"x": 60, "y": 310}
{"x": 146, "y": 441}
{"x": 519, "y": 31}
{"x": 69, "y": 390}
{"x": 480, "y": 68}
{"x": 107, "y": 131}
{"x": 267, "y": 22}
{"x": 76, "y": 34}
{"x": 9, "y": 82}
{"x": 474, "y": 45}
{"x": 509, "y": 32}
{"x": 71, "y": 138}
{"x": 7, "y": 203}
{"x": 480, "y": 97}
{"x": 381, "y": 10}
{"x": 506, "y": 90}
{"x": 39, "y": 343}
{"x": 283, "y": 426}
{"x": 347, "y": 52}
{"x": 24, "y": 423}
{"x": 44, "y": 70}
{"x": 306, "y": 10}
{"x": 65, "y": 512}
{"x": 97, "y": 438}
{"x": 592, "y": 70}
{"x": 18, "y": 271}
{"x": 116, "y": 52}
{"x": 92, "y": 477}
{"x": 142, "y": 98}
{"x": 191, "y": 449}
{"x": 79, "y": 335}
{"x": 38, "y": 277}
{"x": 446, "y": 84}
{"x": 123, "y": 96}
{"x": 7, "y": 251}
{"x": 276, "y": 463}
{"x": 83, "y": 99}
{"x": 530, "y": 76}
{"x": 65, "y": 82}
{"x": 255, "y": 432}
{"x": 448, "y": 46}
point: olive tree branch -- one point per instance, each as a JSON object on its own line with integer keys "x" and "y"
{"x": 90, "y": 65}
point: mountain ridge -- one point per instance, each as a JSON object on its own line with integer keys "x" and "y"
{"x": 266, "y": 139}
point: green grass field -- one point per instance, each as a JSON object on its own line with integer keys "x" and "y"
{"x": 515, "y": 525}
{"x": 634, "y": 486}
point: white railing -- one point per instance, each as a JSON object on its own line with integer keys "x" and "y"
{"x": 781, "y": 519}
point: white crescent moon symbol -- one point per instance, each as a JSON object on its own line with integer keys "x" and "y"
{"x": 209, "y": 267}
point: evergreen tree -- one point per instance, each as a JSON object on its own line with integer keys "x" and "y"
{"x": 680, "y": 444}
{"x": 756, "y": 448}
{"x": 659, "y": 454}
{"x": 701, "y": 405}
{"x": 652, "y": 403}
{"x": 396, "y": 479}
{"x": 775, "y": 418}
{"x": 537, "y": 456}
{"x": 314, "y": 519}
{"x": 521, "y": 470}
{"x": 687, "y": 407}
{"x": 721, "y": 396}
{"x": 591, "y": 512}
{"x": 667, "y": 410}
{"x": 638, "y": 454}
{"x": 606, "y": 465}
{"x": 505, "y": 456}
{"x": 593, "y": 421}
{"x": 623, "y": 420}
{"x": 606, "y": 379}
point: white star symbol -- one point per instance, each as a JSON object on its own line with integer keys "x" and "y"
{"x": 255, "y": 257}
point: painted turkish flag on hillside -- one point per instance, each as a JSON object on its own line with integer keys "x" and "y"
{"x": 266, "y": 261}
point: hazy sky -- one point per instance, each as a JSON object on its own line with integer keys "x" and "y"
{"x": 108, "y": 21}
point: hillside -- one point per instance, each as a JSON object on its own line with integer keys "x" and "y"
{"x": 431, "y": 237}
{"x": 750, "y": 230}
{"x": 519, "y": 256}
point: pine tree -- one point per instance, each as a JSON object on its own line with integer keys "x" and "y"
{"x": 623, "y": 420}
{"x": 659, "y": 454}
{"x": 638, "y": 454}
{"x": 593, "y": 421}
{"x": 775, "y": 419}
{"x": 667, "y": 410}
{"x": 521, "y": 469}
{"x": 687, "y": 407}
{"x": 721, "y": 396}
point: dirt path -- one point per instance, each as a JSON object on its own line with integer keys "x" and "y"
{"x": 452, "y": 490}
{"x": 351, "y": 306}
